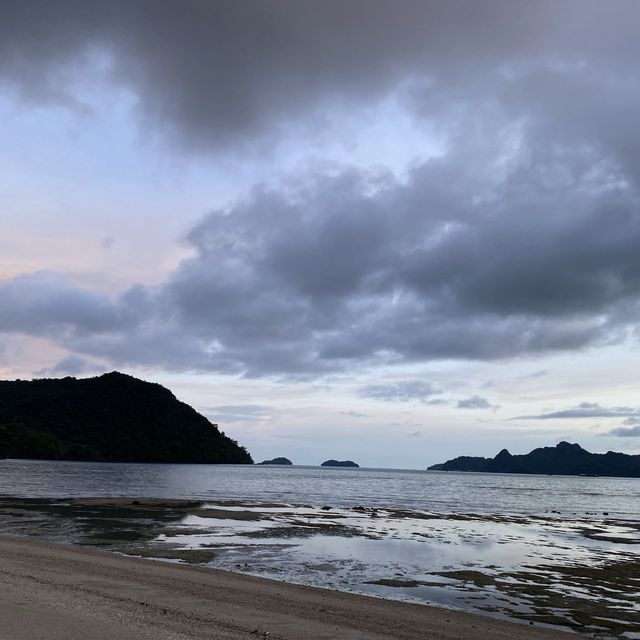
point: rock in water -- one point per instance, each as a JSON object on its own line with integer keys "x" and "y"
{"x": 339, "y": 463}
{"x": 277, "y": 461}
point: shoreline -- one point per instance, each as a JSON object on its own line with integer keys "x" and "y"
{"x": 58, "y": 592}
{"x": 462, "y": 562}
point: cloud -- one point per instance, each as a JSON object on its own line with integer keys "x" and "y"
{"x": 354, "y": 414}
{"x": 240, "y": 413}
{"x": 354, "y": 269}
{"x": 625, "y": 432}
{"x": 536, "y": 374}
{"x": 414, "y": 390}
{"x": 520, "y": 239}
{"x": 47, "y": 304}
{"x": 71, "y": 365}
{"x": 214, "y": 74}
{"x": 476, "y": 402}
{"x": 588, "y": 410}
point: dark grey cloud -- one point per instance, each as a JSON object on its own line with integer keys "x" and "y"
{"x": 520, "y": 239}
{"x": 47, "y": 304}
{"x": 475, "y": 402}
{"x": 406, "y": 391}
{"x": 588, "y": 410}
{"x": 214, "y": 73}
{"x": 71, "y": 365}
{"x": 354, "y": 269}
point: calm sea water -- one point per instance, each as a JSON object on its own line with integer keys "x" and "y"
{"x": 431, "y": 491}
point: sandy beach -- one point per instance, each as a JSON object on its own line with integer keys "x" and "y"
{"x": 62, "y": 592}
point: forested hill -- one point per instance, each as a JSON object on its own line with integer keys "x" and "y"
{"x": 114, "y": 417}
{"x": 563, "y": 459}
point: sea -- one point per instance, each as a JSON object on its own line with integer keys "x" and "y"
{"x": 447, "y": 492}
{"x": 558, "y": 551}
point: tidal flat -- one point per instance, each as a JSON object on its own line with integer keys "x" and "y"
{"x": 571, "y": 571}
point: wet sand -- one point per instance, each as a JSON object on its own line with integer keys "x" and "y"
{"x": 60, "y": 592}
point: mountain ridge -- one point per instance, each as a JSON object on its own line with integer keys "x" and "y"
{"x": 564, "y": 459}
{"x": 114, "y": 417}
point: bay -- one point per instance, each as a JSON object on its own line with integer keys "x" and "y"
{"x": 413, "y": 489}
{"x": 559, "y": 551}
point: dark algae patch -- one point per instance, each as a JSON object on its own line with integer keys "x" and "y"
{"x": 394, "y": 582}
{"x": 477, "y": 578}
{"x": 99, "y": 522}
{"x": 603, "y": 600}
{"x": 188, "y": 556}
{"x": 300, "y": 529}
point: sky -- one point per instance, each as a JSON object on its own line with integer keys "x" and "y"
{"x": 387, "y": 232}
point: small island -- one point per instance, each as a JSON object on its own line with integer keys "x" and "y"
{"x": 284, "y": 461}
{"x": 564, "y": 459}
{"x": 339, "y": 463}
{"x": 109, "y": 418}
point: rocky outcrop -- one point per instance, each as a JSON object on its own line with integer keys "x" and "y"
{"x": 563, "y": 459}
{"x": 339, "y": 463}
{"x": 285, "y": 461}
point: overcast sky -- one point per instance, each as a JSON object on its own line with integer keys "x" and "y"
{"x": 387, "y": 231}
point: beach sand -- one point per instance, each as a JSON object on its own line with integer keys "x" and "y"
{"x": 60, "y": 592}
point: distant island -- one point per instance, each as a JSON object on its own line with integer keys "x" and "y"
{"x": 277, "y": 461}
{"x": 113, "y": 417}
{"x": 563, "y": 459}
{"x": 339, "y": 463}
